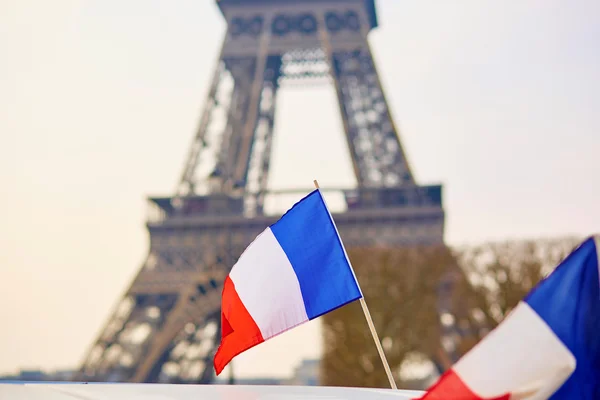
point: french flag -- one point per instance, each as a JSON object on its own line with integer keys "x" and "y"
{"x": 548, "y": 347}
{"x": 293, "y": 272}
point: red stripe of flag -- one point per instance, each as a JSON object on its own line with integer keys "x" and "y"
{"x": 239, "y": 332}
{"x": 450, "y": 386}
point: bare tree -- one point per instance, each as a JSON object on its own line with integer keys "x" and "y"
{"x": 400, "y": 287}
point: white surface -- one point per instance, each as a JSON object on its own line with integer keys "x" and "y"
{"x": 522, "y": 353}
{"x": 69, "y": 391}
{"x": 267, "y": 285}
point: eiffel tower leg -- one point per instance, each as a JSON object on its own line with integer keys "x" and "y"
{"x": 247, "y": 157}
{"x": 259, "y": 163}
{"x": 240, "y": 150}
{"x": 200, "y": 143}
{"x": 372, "y": 137}
{"x": 167, "y": 326}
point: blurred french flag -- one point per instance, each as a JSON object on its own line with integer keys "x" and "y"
{"x": 293, "y": 272}
{"x": 548, "y": 347}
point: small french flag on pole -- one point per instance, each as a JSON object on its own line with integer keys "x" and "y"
{"x": 548, "y": 347}
{"x": 293, "y": 272}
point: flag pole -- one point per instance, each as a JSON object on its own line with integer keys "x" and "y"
{"x": 366, "y": 312}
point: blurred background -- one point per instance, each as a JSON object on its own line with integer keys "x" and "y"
{"x": 99, "y": 102}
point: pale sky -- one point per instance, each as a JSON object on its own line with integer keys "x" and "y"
{"x": 99, "y": 100}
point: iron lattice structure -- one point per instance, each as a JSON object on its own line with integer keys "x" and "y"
{"x": 166, "y": 326}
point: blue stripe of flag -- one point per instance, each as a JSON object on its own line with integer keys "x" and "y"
{"x": 309, "y": 239}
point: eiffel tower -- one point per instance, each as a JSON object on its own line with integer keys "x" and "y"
{"x": 166, "y": 327}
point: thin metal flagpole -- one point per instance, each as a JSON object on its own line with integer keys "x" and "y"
{"x": 363, "y": 304}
